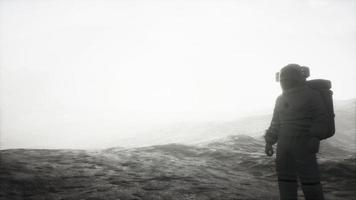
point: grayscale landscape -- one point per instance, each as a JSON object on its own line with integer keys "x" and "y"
{"x": 165, "y": 99}
{"x": 226, "y": 163}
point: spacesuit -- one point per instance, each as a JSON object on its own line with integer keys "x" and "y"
{"x": 298, "y": 123}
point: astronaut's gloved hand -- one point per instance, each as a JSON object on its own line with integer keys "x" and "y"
{"x": 269, "y": 150}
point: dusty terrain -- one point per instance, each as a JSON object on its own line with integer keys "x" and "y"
{"x": 230, "y": 168}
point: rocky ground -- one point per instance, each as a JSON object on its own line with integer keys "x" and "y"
{"x": 230, "y": 168}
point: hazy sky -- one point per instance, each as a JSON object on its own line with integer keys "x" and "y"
{"x": 80, "y": 73}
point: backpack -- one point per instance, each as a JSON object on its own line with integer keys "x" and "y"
{"x": 323, "y": 87}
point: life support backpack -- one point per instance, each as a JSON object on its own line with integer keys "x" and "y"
{"x": 324, "y": 88}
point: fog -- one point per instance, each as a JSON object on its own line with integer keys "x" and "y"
{"x": 90, "y": 73}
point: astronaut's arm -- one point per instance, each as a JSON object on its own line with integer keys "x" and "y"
{"x": 319, "y": 117}
{"x": 271, "y": 134}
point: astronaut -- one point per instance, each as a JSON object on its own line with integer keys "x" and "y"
{"x": 298, "y": 123}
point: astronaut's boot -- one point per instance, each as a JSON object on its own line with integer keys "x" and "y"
{"x": 288, "y": 190}
{"x": 313, "y": 191}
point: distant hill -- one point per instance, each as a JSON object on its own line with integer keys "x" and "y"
{"x": 233, "y": 167}
{"x": 345, "y": 119}
{"x": 193, "y": 133}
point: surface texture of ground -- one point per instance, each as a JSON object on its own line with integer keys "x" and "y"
{"x": 230, "y": 168}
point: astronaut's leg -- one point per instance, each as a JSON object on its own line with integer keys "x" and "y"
{"x": 313, "y": 191}
{"x": 287, "y": 189}
{"x": 308, "y": 172}
{"x": 286, "y": 172}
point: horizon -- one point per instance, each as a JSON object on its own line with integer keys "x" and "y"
{"x": 168, "y": 127}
